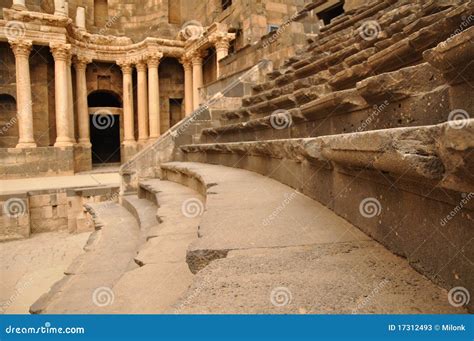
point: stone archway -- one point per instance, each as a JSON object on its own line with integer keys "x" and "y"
{"x": 105, "y": 111}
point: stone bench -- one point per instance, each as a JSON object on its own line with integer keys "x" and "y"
{"x": 416, "y": 176}
{"x": 256, "y": 221}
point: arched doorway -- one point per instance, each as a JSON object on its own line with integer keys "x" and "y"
{"x": 8, "y": 121}
{"x": 105, "y": 108}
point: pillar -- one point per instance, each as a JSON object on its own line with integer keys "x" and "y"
{"x": 81, "y": 18}
{"x": 60, "y": 8}
{"x": 128, "y": 110}
{"x": 153, "y": 60}
{"x": 21, "y": 50}
{"x": 188, "y": 85}
{"x": 142, "y": 101}
{"x": 80, "y": 64}
{"x": 70, "y": 102}
{"x": 19, "y": 5}
{"x": 197, "y": 60}
{"x": 222, "y": 50}
{"x": 61, "y": 54}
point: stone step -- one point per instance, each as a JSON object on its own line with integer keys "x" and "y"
{"x": 275, "y": 250}
{"x": 419, "y": 152}
{"x": 416, "y": 89}
{"x": 92, "y": 276}
{"x": 143, "y": 210}
{"x": 163, "y": 276}
{"x": 255, "y": 222}
{"x": 127, "y": 253}
{"x": 405, "y": 26}
{"x": 333, "y": 278}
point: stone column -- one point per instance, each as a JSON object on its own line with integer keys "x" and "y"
{"x": 70, "y": 101}
{"x": 197, "y": 60}
{"x": 188, "y": 85}
{"x": 22, "y": 49}
{"x": 222, "y": 50}
{"x": 81, "y": 18}
{"x": 19, "y": 5}
{"x": 80, "y": 63}
{"x": 60, "y": 8}
{"x": 128, "y": 112}
{"x": 61, "y": 54}
{"x": 153, "y": 60}
{"x": 142, "y": 101}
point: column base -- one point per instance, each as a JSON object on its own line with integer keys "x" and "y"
{"x": 129, "y": 143}
{"x": 26, "y": 145}
{"x": 128, "y": 150}
{"x": 84, "y": 143}
{"x": 18, "y": 7}
{"x": 64, "y": 144}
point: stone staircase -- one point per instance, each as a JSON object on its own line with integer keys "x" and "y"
{"x": 213, "y": 239}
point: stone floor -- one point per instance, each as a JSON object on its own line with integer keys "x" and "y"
{"x": 29, "y": 267}
{"x": 82, "y": 180}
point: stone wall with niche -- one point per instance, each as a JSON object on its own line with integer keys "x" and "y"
{"x": 171, "y": 76}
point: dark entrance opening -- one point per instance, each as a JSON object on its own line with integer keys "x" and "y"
{"x": 176, "y": 105}
{"x": 105, "y": 138}
{"x": 103, "y": 99}
{"x": 104, "y": 126}
{"x": 328, "y": 14}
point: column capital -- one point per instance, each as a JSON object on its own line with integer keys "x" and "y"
{"x": 186, "y": 62}
{"x": 126, "y": 65}
{"x": 80, "y": 62}
{"x": 153, "y": 58}
{"x": 141, "y": 65}
{"x": 221, "y": 40}
{"x": 21, "y": 47}
{"x": 61, "y": 51}
{"x": 197, "y": 57}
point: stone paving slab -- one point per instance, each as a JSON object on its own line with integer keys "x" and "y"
{"x": 55, "y": 182}
{"x": 337, "y": 278}
{"x": 95, "y": 273}
{"x": 30, "y": 266}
